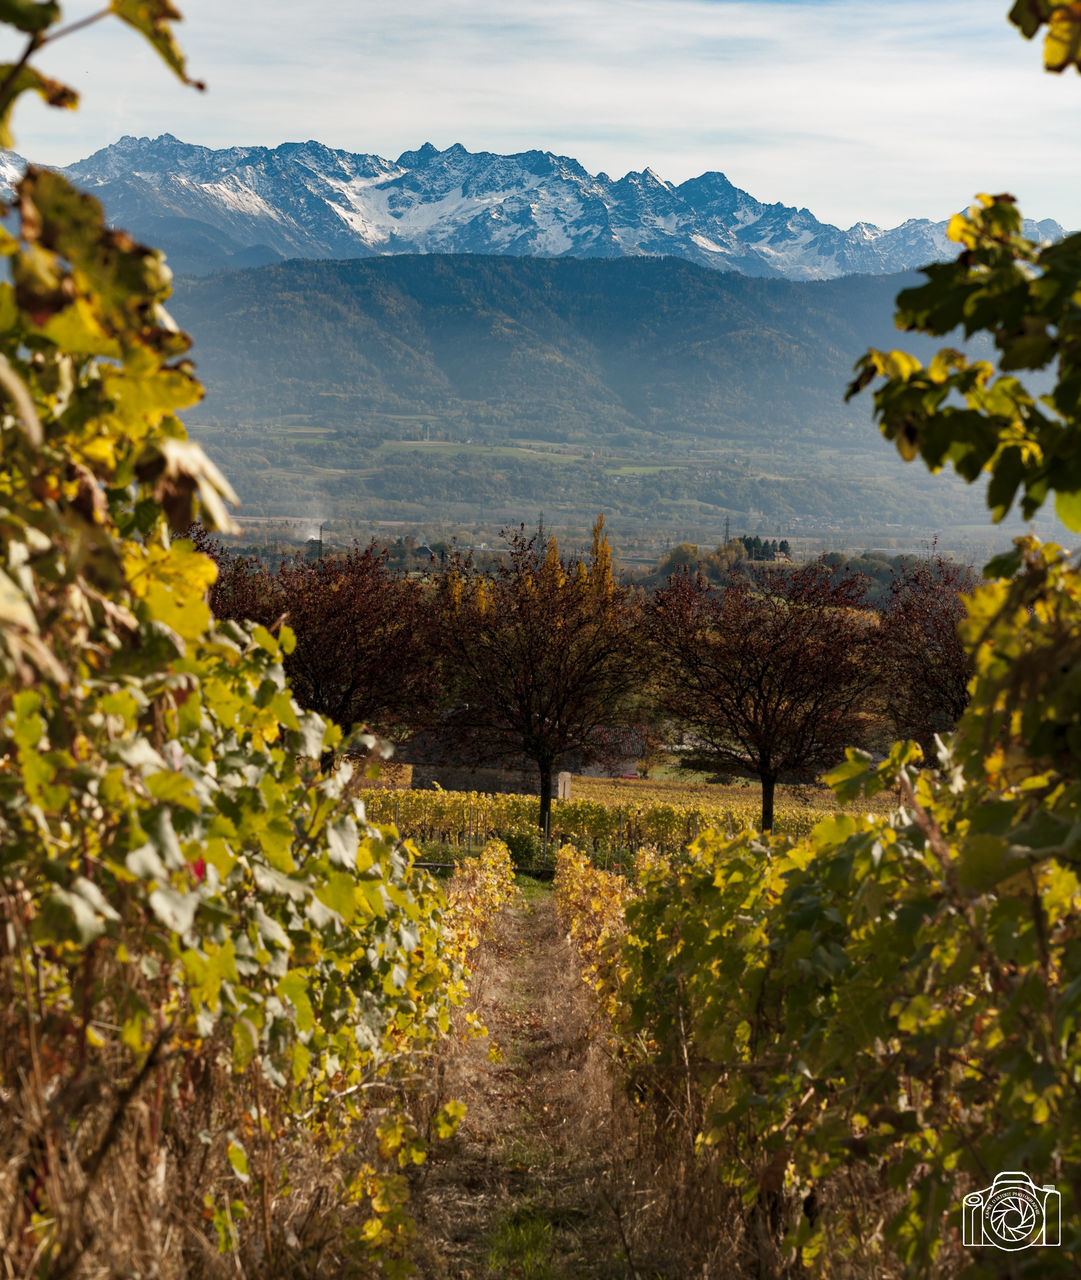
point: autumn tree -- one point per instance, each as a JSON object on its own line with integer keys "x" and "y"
{"x": 363, "y": 653}
{"x": 242, "y": 589}
{"x": 768, "y": 672}
{"x": 925, "y": 666}
{"x": 540, "y": 655}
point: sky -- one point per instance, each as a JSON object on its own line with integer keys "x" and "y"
{"x": 860, "y": 111}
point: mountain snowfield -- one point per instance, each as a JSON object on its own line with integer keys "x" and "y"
{"x": 246, "y": 206}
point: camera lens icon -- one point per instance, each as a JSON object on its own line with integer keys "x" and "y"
{"x": 1013, "y": 1213}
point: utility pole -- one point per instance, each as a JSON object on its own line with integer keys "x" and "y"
{"x": 726, "y": 530}
{"x": 320, "y": 542}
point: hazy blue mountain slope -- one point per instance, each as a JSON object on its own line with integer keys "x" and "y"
{"x": 447, "y": 386}
{"x": 655, "y": 344}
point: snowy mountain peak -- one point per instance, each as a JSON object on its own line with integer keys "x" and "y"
{"x": 410, "y": 158}
{"x": 246, "y": 205}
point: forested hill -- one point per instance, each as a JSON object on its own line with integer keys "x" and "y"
{"x": 510, "y": 344}
{"x": 649, "y": 387}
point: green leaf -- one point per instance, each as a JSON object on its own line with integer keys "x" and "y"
{"x": 265, "y": 640}
{"x": 245, "y": 1043}
{"x": 985, "y": 861}
{"x": 342, "y": 842}
{"x": 302, "y": 1058}
{"x": 28, "y": 15}
{"x": 238, "y": 1158}
{"x": 339, "y": 893}
{"x": 28, "y": 80}
{"x": 175, "y": 910}
{"x": 1068, "y": 508}
{"x": 294, "y": 988}
{"x": 312, "y": 729}
{"x": 173, "y": 789}
{"x": 1028, "y": 17}
{"x": 849, "y": 779}
{"x": 372, "y": 891}
{"x": 1009, "y": 471}
{"x": 835, "y": 830}
{"x": 1005, "y": 565}
{"x": 67, "y": 915}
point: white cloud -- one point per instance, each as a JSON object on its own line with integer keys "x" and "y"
{"x": 856, "y": 109}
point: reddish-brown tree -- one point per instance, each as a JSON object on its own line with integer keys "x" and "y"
{"x": 363, "y": 654}
{"x": 243, "y": 590}
{"x": 925, "y": 667}
{"x": 363, "y": 651}
{"x": 768, "y": 672}
{"x": 541, "y": 655}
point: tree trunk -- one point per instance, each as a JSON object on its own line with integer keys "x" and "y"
{"x": 545, "y": 795}
{"x": 769, "y": 786}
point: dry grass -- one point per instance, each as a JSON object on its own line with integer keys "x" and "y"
{"x": 139, "y": 1187}
{"x": 553, "y": 1175}
{"x": 689, "y": 1201}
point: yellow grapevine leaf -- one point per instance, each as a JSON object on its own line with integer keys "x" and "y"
{"x": 1062, "y": 44}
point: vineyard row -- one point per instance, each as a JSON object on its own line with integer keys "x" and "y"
{"x": 467, "y": 819}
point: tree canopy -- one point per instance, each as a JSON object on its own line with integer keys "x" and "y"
{"x": 540, "y": 656}
{"x": 364, "y": 655}
{"x": 768, "y": 672}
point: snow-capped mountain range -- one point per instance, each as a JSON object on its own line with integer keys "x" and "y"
{"x": 249, "y": 205}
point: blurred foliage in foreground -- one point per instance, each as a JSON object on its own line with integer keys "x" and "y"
{"x": 217, "y": 981}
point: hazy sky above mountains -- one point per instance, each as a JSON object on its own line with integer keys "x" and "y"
{"x": 858, "y": 109}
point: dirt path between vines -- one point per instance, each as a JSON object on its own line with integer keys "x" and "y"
{"x": 534, "y": 1183}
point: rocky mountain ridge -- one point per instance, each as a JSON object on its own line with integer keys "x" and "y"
{"x": 247, "y": 206}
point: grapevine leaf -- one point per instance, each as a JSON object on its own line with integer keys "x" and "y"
{"x": 1062, "y": 44}
{"x": 67, "y": 915}
{"x": 1068, "y": 508}
{"x": 28, "y": 80}
{"x": 294, "y": 988}
{"x": 29, "y": 15}
{"x": 152, "y": 19}
{"x": 245, "y": 1043}
{"x": 343, "y": 840}
{"x": 339, "y": 893}
{"x": 302, "y": 1057}
{"x": 238, "y": 1158}
{"x": 174, "y": 909}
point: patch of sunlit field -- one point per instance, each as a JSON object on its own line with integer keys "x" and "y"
{"x": 811, "y": 798}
